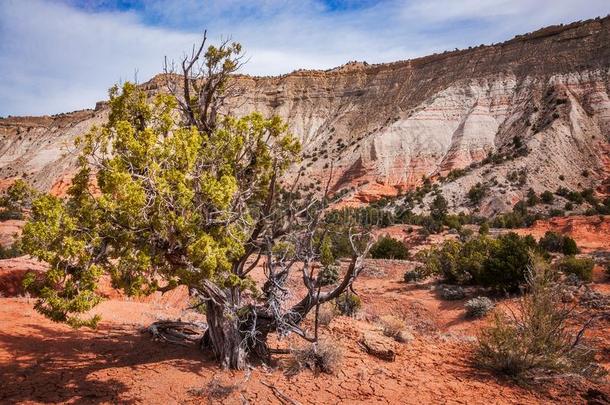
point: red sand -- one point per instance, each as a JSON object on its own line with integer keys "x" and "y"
{"x": 44, "y": 362}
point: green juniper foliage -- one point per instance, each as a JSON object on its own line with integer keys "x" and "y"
{"x": 389, "y": 248}
{"x": 329, "y": 274}
{"x": 166, "y": 204}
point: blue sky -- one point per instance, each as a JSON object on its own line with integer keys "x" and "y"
{"x": 63, "y": 55}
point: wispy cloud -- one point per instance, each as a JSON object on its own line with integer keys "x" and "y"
{"x": 62, "y": 55}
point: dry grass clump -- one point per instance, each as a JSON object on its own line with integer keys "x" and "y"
{"x": 323, "y": 356}
{"x": 216, "y": 390}
{"x": 535, "y": 337}
{"x": 395, "y": 328}
{"x": 452, "y": 293}
{"x": 326, "y": 314}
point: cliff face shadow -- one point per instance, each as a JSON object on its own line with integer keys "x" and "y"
{"x": 51, "y": 366}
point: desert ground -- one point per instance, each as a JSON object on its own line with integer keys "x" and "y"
{"x": 46, "y": 362}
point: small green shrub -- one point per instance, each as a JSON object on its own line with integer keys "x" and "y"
{"x": 569, "y": 246}
{"x": 13, "y": 251}
{"x": 581, "y": 267}
{"x": 465, "y": 234}
{"x": 532, "y": 198}
{"x": 575, "y": 197}
{"x": 6, "y": 215}
{"x": 589, "y": 196}
{"x": 438, "y": 208}
{"x": 554, "y": 242}
{"x": 348, "y": 304}
{"x": 455, "y": 174}
{"x": 484, "y": 229}
{"x": 453, "y": 222}
{"x": 430, "y": 225}
{"x": 329, "y": 275}
{"x": 551, "y": 242}
{"x": 476, "y": 193}
{"x": 547, "y": 197}
{"x": 478, "y": 307}
{"x": 389, "y": 248}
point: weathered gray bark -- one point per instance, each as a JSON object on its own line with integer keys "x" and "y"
{"x": 224, "y": 338}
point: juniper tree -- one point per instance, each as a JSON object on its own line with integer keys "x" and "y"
{"x": 172, "y": 190}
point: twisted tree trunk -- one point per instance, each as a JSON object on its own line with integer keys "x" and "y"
{"x": 237, "y": 334}
{"x": 224, "y": 338}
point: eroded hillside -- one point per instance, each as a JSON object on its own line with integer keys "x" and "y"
{"x": 540, "y": 99}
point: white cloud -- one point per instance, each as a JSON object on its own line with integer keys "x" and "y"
{"x": 55, "y": 57}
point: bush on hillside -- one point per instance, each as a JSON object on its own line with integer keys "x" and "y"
{"x": 476, "y": 193}
{"x": 348, "y": 304}
{"x": 581, "y": 267}
{"x": 498, "y": 263}
{"x": 569, "y": 246}
{"x": 532, "y": 198}
{"x": 519, "y": 217}
{"x": 547, "y": 197}
{"x": 16, "y": 199}
{"x": 9, "y": 252}
{"x": 453, "y": 222}
{"x": 389, "y": 248}
{"x": 555, "y": 242}
{"x": 506, "y": 264}
{"x": 439, "y": 208}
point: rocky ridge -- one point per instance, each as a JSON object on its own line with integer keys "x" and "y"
{"x": 383, "y": 127}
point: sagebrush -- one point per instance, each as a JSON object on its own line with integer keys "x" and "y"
{"x": 535, "y": 336}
